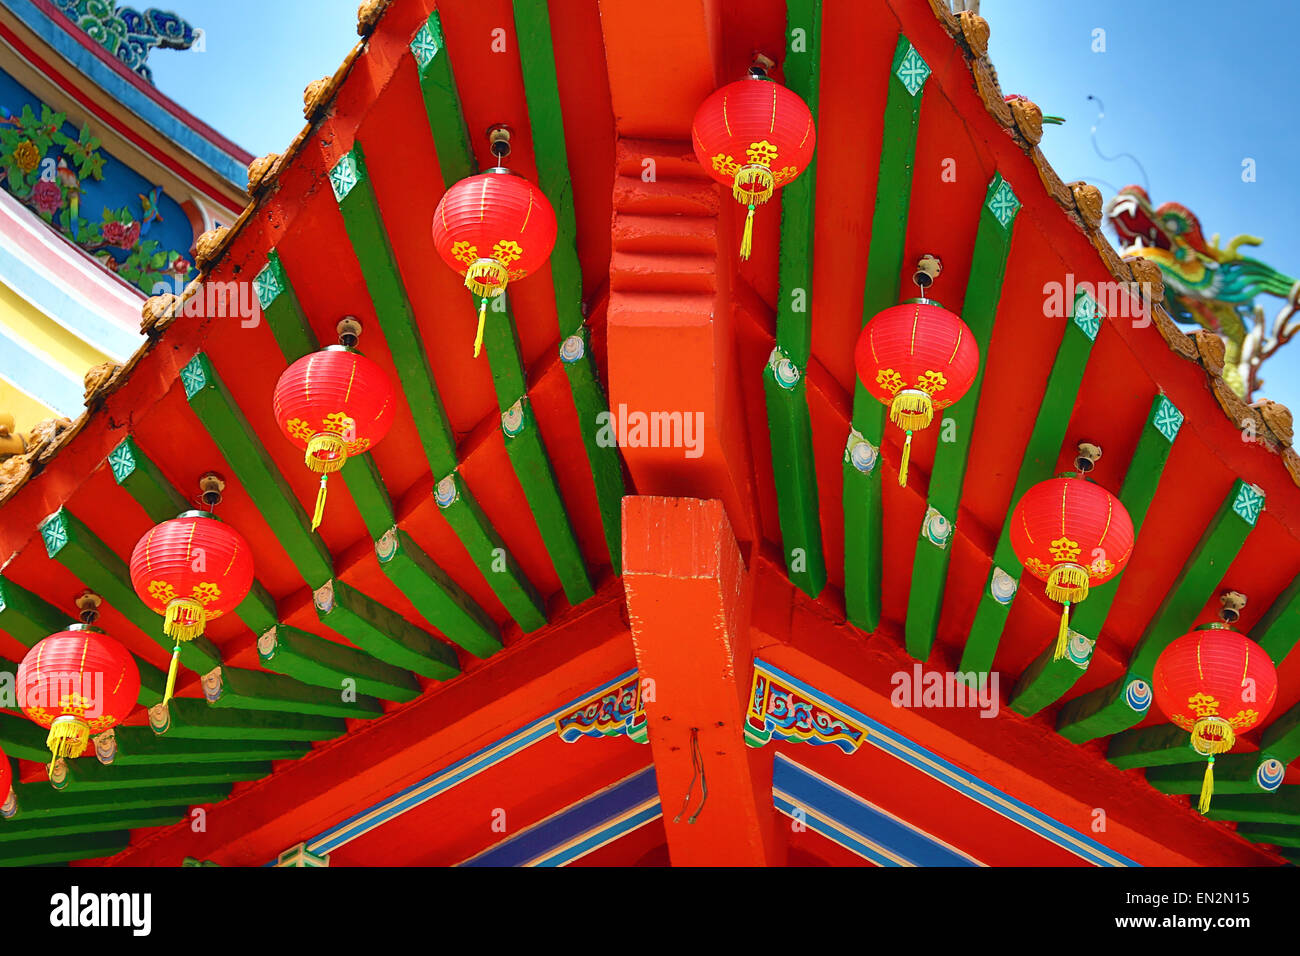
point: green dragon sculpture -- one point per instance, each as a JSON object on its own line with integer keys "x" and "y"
{"x": 1214, "y": 287}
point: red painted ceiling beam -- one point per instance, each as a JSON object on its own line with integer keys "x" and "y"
{"x": 688, "y": 598}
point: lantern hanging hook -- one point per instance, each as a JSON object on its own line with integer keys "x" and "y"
{"x": 927, "y": 270}
{"x": 499, "y": 143}
{"x": 211, "y": 485}
{"x": 1233, "y": 602}
{"x": 1087, "y": 457}
{"x": 761, "y": 65}
{"x": 88, "y": 606}
{"x": 349, "y": 330}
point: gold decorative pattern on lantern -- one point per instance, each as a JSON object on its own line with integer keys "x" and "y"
{"x": 932, "y": 381}
{"x": 1063, "y": 549}
{"x": 162, "y": 591}
{"x": 1203, "y": 704}
{"x": 889, "y": 379}
{"x": 1039, "y": 567}
{"x": 1244, "y": 719}
{"x": 466, "y": 252}
{"x": 761, "y": 153}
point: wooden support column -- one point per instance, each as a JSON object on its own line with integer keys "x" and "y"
{"x": 689, "y": 597}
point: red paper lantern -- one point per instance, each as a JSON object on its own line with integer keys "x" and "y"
{"x": 77, "y": 683}
{"x": 6, "y": 790}
{"x": 493, "y": 228}
{"x": 1215, "y": 683}
{"x": 191, "y": 569}
{"x": 333, "y": 404}
{"x": 755, "y": 136}
{"x": 916, "y": 357}
{"x": 1072, "y": 534}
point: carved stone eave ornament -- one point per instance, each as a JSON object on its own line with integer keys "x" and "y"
{"x": 209, "y": 246}
{"x": 99, "y": 381}
{"x": 261, "y": 172}
{"x": 1028, "y": 119}
{"x": 1277, "y": 418}
{"x": 368, "y": 15}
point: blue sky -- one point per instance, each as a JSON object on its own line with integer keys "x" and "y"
{"x": 1190, "y": 88}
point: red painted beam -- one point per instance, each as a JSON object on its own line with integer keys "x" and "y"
{"x": 688, "y": 599}
{"x": 544, "y": 671}
{"x": 661, "y": 63}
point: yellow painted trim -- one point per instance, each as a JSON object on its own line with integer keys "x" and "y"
{"x": 29, "y": 324}
{"x": 27, "y": 411}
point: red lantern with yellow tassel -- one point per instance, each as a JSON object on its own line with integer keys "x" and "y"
{"x": 191, "y": 569}
{"x": 1215, "y": 683}
{"x": 77, "y": 683}
{"x": 916, "y": 358}
{"x": 493, "y": 229}
{"x": 1073, "y": 535}
{"x": 755, "y": 136}
{"x": 333, "y": 404}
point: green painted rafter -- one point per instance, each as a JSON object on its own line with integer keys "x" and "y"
{"x": 383, "y": 633}
{"x": 784, "y": 377}
{"x": 1123, "y": 703}
{"x": 365, "y": 227}
{"x": 45, "y": 850}
{"x": 87, "y": 773}
{"x": 325, "y": 663}
{"x": 1276, "y": 808}
{"x": 438, "y": 598}
{"x": 11, "y": 830}
{"x": 863, "y": 519}
{"x": 523, "y": 438}
{"x": 140, "y": 745}
{"x": 1278, "y": 835}
{"x": 186, "y": 718}
{"x": 41, "y": 801}
{"x": 1037, "y": 465}
{"x": 1046, "y": 680}
{"x": 979, "y": 311}
{"x": 537, "y": 58}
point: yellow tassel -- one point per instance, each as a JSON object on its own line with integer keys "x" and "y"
{"x": 1207, "y": 787}
{"x": 747, "y": 237}
{"x": 1063, "y": 635}
{"x": 319, "y": 513}
{"x": 902, "y": 466}
{"x": 1067, "y": 583}
{"x": 482, "y": 320}
{"x": 184, "y": 619}
{"x": 911, "y": 408}
{"x": 68, "y": 737}
{"x": 171, "y": 673}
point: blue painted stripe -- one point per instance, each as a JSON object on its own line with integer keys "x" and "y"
{"x": 121, "y": 89}
{"x": 539, "y": 841}
{"x": 444, "y": 780}
{"x": 965, "y": 783}
{"x": 850, "y": 842}
{"x": 40, "y": 377}
{"x": 868, "y": 823}
{"x": 66, "y": 309}
{"x": 605, "y": 834}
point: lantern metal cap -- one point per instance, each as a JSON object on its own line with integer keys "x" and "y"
{"x": 85, "y": 627}
{"x": 341, "y": 348}
{"x": 198, "y": 513}
{"x": 922, "y": 300}
{"x": 501, "y": 171}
